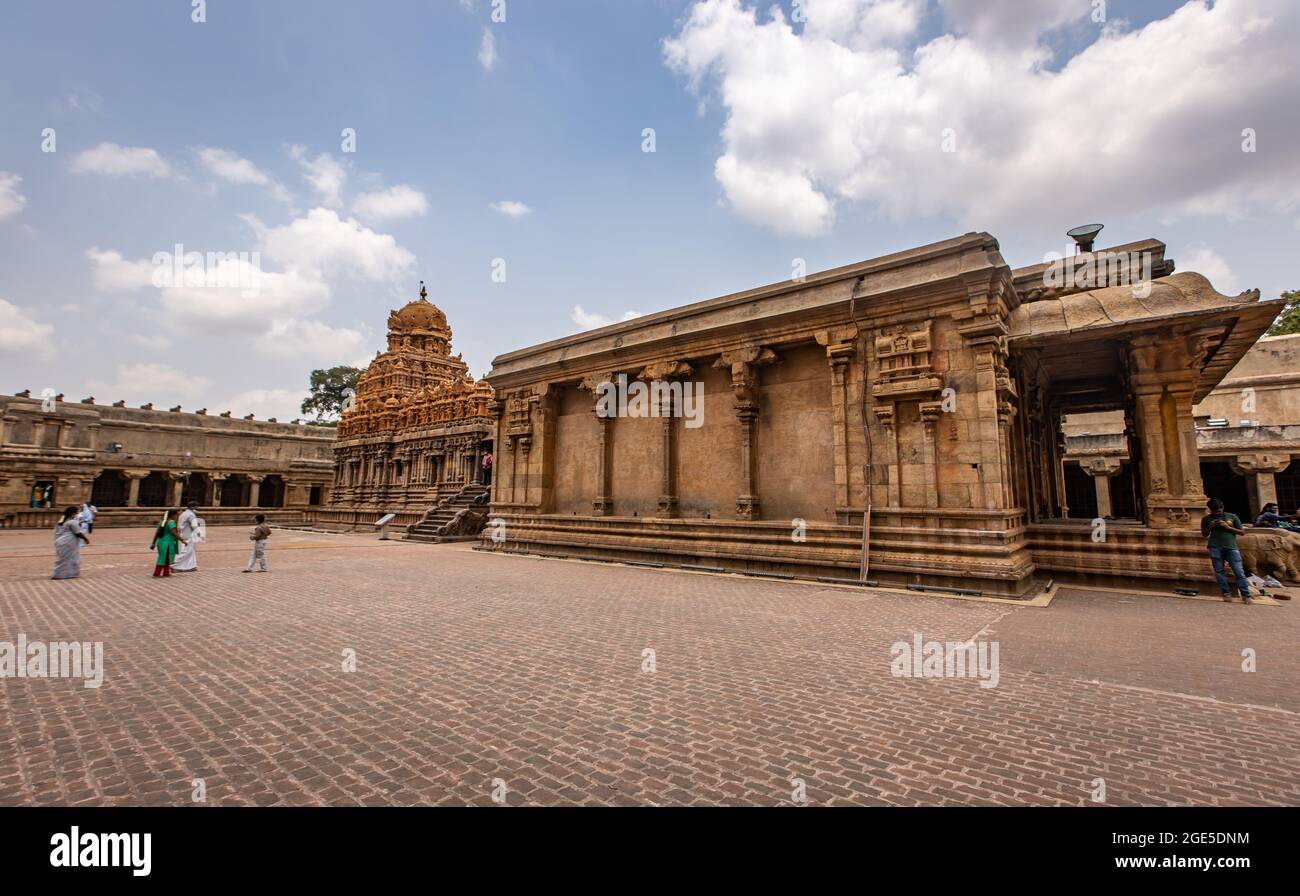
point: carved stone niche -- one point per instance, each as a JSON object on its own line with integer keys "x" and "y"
{"x": 904, "y": 354}
{"x": 519, "y": 417}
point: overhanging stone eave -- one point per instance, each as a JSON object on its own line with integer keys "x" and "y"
{"x": 713, "y": 317}
{"x": 1251, "y": 322}
{"x": 1104, "y": 329}
{"x": 1244, "y": 323}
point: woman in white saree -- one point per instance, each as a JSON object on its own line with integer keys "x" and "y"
{"x": 68, "y": 539}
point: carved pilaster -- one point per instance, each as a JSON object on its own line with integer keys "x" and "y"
{"x": 841, "y": 349}
{"x": 662, "y": 376}
{"x": 744, "y": 364}
{"x": 603, "y": 504}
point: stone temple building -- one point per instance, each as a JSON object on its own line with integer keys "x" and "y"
{"x": 901, "y": 419}
{"x": 130, "y": 462}
{"x": 418, "y": 431}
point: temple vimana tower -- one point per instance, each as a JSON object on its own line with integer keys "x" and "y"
{"x": 417, "y": 433}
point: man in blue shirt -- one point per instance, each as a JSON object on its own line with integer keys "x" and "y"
{"x": 1269, "y": 518}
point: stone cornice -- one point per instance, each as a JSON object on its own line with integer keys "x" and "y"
{"x": 786, "y": 312}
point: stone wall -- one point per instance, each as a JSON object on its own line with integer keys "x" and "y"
{"x": 149, "y": 457}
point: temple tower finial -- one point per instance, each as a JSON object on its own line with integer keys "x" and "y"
{"x": 424, "y": 293}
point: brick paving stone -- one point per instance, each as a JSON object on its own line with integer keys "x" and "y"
{"x": 472, "y": 668}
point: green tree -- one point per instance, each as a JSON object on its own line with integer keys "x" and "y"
{"x": 1288, "y": 321}
{"x": 332, "y": 391}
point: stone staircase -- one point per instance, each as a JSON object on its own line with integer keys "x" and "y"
{"x": 431, "y": 529}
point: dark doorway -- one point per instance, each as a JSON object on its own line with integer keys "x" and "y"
{"x": 271, "y": 494}
{"x": 1221, "y": 482}
{"x": 313, "y": 497}
{"x": 1122, "y": 500}
{"x": 1288, "y": 488}
{"x": 195, "y": 490}
{"x": 1080, "y": 493}
{"x": 43, "y": 493}
{"x": 233, "y": 492}
{"x": 153, "y": 490}
{"x": 109, "y": 490}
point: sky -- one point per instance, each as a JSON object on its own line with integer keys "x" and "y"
{"x": 548, "y": 166}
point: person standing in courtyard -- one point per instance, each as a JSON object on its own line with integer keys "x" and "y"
{"x": 1220, "y": 530}
{"x": 166, "y": 539}
{"x": 87, "y": 517}
{"x": 259, "y": 534}
{"x": 487, "y": 468}
{"x": 68, "y": 539}
{"x": 188, "y": 528}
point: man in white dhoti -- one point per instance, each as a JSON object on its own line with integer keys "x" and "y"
{"x": 87, "y": 517}
{"x": 187, "y": 560}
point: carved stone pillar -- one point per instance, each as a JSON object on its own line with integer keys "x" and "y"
{"x": 1163, "y": 370}
{"x": 744, "y": 364}
{"x": 175, "y": 487}
{"x": 1058, "y": 464}
{"x": 133, "y": 490}
{"x": 1101, "y": 469}
{"x": 255, "y": 490}
{"x": 1264, "y": 467}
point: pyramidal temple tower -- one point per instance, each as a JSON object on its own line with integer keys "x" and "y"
{"x": 418, "y": 431}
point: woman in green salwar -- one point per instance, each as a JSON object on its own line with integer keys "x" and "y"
{"x": 165, "y": 539}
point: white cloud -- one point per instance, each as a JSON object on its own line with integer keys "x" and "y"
{"x": 322, "y": 244}
{"x": 138, "y": 384}
{"x": 230, "y": 166}
{"x": 511, "y": 209}
{"x": 155, "y": 342}
{"x": 11, "y": 200}
{"x": 1015, "y": 23}
{"x": 487, "y": 50}
{"x": 854, "y": 108}
{"x": 285, "y": 405}
{"x": 237, "y": 293}
{"x": 21, "y": 334}
{"x": 114, "y": 273}
{"x": 401, "y": 201}
{"x": 311, "y": 340}
{"x": 1203, "y": 260}
{"x": 588, "y": 320}
{"x": 116, "y": 161}
{"x": 233, "y": 294}
{"x": 325, "y": 174}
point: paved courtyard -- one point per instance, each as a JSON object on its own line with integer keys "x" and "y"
{"x": 530, "y": 681}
